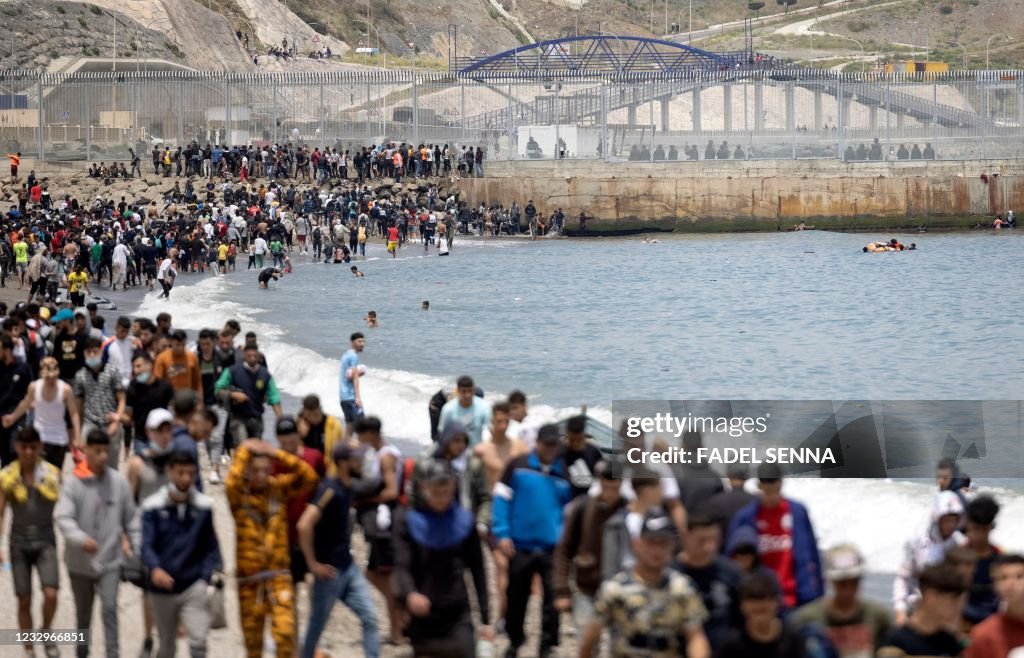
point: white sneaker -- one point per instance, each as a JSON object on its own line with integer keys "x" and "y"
{"x": 214, "y": 478}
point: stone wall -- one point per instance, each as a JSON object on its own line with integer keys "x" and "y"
{"x": 768, "y": 195}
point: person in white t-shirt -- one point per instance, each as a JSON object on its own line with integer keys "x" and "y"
{"x": 525, "y": 427}
{"x": 260, "y": 247}
{"x": 166, "y": 274}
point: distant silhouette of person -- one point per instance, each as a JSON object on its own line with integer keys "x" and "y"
{"x": 645, "y": 154}
{"x": 862, "y": 152}
{"x": 659, "y": 153}
{"x": 739, "y": 154}
{"x": 902, "y": 153}
{"x": 709, "y": 151}
{"x": 693, "y": 153}
{"x": 673, "y": 153}
{"x": 849, "y": 155}
{"x": 915, "y": 153}
{"x": 929, "y": 152}
{"x": 634, "y": 153}
{"x": 875, "y": 152}
{"x": 723, "y": 151}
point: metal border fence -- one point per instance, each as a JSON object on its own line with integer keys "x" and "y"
{"x": 770, "y": 113}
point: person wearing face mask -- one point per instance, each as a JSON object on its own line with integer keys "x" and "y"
{"x": 180, "y": 550}
{"x": 50, "y": 399}
{"x": 97, "y": 516}
{"x": 101, "y": 397}
{"x": 145, "y": 393}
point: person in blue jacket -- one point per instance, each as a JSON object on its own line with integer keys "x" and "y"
{"x": 527, "y": 513}
{"x": 785, "y": 539}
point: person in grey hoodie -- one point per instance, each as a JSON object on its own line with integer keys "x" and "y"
{"x": 96, "y": 515}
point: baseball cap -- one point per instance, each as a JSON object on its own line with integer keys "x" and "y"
{"x": 81, "y": 312}
{"x": 286, "y": 425}
{"x": 63, "y": 314}
{"x": 657, "y": 525}
{"x": 844, "y": 562}
{"x": 158, "y": 417}
{"x": 549, "y": 434}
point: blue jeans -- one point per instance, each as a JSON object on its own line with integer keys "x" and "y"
{"x": 351, "y": 588}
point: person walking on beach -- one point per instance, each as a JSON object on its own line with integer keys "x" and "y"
{"x": 926, "y": 631}
{"x": 246, "y": 387}
{"x": 30, "y": 487}
{"x": 180, "y": 550}
{"x": 649, "y": 607}
{"x": 435, "y": 544}
{"x": 179, "y": 366}
{"x": 325, "y": 537}
{"x": 528, "y": 504}
{"x": 259, "y": 503}
{"x": 101, "y": 397}
{"x": 50, "y": 400}
{"x": 467, "y": 410}
{"x": 349, "y": 385}
{"x": 166, "y": 273}
{"x": 97, "y": 516}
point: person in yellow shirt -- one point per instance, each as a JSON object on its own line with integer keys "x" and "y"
{"x": 20, "y": 259}
{"x": 77, "y": 282}
{"x": 222, "y": 257}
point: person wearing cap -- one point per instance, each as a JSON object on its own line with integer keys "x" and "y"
{"x": 473, "y": 492}
{"x": 101, "y": 397}
{"x": 724, "y": 504}
{"x": 927, "y": 549}
{"x": 245, "y": 388}
{"x": 589, "y": 549}
{"x": 473, "y": 413}
{"x": 435, "y": 544}
{"x": 855, "y": 627}
{"x": 650, "y": 609}
{"x": 785, "y": 538}
{"x": 50, "y": 400}
{"x": 528, "y": 513}
{"x": 324, "y": 536}
{"x": 287, "y": 433}
{"x": 763, "y": 633}
{"x": 96, "y": 513}
{"x": 68, "y": 344}
{"x": 259, "y": 504}
{"x": 179, "y": 366}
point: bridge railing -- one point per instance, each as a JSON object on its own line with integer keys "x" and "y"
{"x": 767, "y": 112}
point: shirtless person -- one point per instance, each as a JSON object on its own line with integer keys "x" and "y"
{"x": 495, "y": 455}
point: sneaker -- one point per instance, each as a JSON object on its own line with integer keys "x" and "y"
{"x": 214, "y": 478}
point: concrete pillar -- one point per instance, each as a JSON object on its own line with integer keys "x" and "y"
{"x": 873, "y": 117}
{"x": 899, "y": 120}
{"x": 817, "y": 110}
{"x": 759, "y": 105}
{"x": 844, "y": 111}
{"x": 631, "y": 115}
{"x": 727, "y": 106}
{"x": 790, "y": 108}
{"x": 696, "y": 111}
{"x": 664, "y": 113}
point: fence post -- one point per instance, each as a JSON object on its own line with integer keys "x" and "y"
{"x": 462, "y": 110}
{"x": 415, "y": 114}
{"x": 39, "y": 96}
{"x": 323, "y": 116}
{"x": 513, "y": 143}
{"x": 227, "y": 112}
{"x": 87, "y": 120}
{"x": 606, "y": 150}
{"x": 369, "y": 130}
{"x": 179, "y": 113}
{"x": 558, "y": 121}
{"x": 274, "y": 98}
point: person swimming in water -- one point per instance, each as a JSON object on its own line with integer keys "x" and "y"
{"x": 355, "y": 271}
{"x": 371, "y": 319}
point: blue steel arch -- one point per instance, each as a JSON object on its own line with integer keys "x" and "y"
{"x": 643, "y": 55}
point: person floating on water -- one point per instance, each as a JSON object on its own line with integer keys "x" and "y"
{"x": 371, "y": 319}
{"x": 266, "y": 274}
{"x": 425, "y": 305}
{"x": 356, "y": 272}
{"x": 891, "y": 245}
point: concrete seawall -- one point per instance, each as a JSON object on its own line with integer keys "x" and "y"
{"x": 757, "y": 195}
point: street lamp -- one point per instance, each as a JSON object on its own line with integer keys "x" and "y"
{"x": 989, "y": 42}
{"x": 864, "y": 54}
{"x": 377, "y": 32}
{"x": 964, "y": 48}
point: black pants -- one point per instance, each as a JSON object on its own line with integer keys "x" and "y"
{"x": 521, "y": 568}
{"x": 443, "y": 636}
{"x": 167, "y": 289}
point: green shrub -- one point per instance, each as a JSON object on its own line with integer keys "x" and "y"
{"x": 81, "y": 21}
{"x": 61, "y": 10}
{"x": 96, "y": 10}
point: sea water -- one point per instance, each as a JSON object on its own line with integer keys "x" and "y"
{"x": 802, "y": 315}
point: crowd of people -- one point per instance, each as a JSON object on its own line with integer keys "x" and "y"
{"x": 131, "y": 434}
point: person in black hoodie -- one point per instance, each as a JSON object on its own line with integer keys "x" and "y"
{"x": 434, "y": 545}
{"x": 714, "y": 576}
{"x": 763, "y": 634}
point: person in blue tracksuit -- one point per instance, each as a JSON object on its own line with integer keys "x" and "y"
{"x": 785, "y": 539}
{"x": 527, "y": 511}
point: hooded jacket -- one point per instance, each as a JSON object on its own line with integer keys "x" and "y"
{"x": 473, "y": 492}
{"x": 806, "y": 561}
{"x": 593, "y": 537}
{"x": 100, "y": 508}
{"x": 926, "y": 550}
